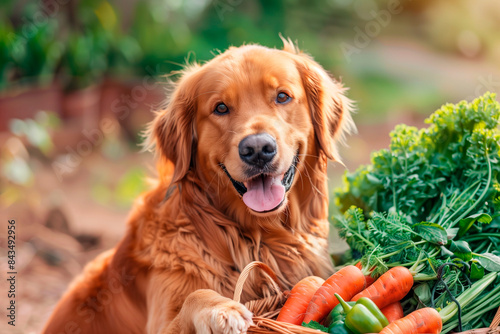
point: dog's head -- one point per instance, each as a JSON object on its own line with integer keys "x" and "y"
{"x": 246, "y": 120}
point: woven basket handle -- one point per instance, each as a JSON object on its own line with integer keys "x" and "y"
{"x": 496, "y": 320}
{"x": 238, "y": 289}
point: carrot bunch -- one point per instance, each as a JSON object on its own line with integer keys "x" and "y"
{"x": 424, "y": 320}
{"x": 312, "y": 299}
{"x": 389, "y": 288}
{"x": 347, "y": 282}
{"x": 296, "y": 304}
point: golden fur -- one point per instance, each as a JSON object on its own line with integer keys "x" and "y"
{"x": 191, "y": 235}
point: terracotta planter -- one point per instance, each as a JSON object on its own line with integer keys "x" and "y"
{"x": 111, "y": 92}
{"x": 82, "y": 107}
{"x": 134, "y": 107}
{"x": 25, "y": 102}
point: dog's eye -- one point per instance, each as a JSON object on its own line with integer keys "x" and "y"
{"x": 221, "y": 109}
{"x": 283, "y": 98}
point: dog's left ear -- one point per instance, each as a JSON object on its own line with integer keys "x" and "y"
{"x": 330, "y": 108}
{"x": 173, "y": 130}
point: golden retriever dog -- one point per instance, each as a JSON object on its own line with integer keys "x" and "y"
{"x": 243, "y": 145}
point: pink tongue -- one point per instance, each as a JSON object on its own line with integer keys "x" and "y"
{"x": 264, "y": 193}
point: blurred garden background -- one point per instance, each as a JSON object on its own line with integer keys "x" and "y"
{"x": 79, "y": 80}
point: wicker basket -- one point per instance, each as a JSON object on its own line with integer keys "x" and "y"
{"x": 493, "y": 329}
{"x": 267, "y": 309}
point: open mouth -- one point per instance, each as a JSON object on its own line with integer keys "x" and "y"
{"x": 265, "y": 192}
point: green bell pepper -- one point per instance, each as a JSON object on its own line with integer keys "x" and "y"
{"x": 337, "y": 313}
{"x": 338, "y": 327}
{"x": 363, "y": 317}
{"x": 335, "y": 321}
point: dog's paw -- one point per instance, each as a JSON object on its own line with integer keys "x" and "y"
{"x": 228, "y": 317}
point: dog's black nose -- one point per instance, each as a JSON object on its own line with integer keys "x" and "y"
{"x": 257, "y": 150}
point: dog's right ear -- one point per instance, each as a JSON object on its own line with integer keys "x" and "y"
{"x": 330, "y": 108}
{"x": 173, "y": 132}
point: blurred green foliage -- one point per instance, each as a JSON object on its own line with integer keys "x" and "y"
{"x": 130, "y": 185}
{"x": 37, "y": 130}
{"x": 84, "y": 41}
{"x": 85, "y": 59}
{"x": 30, "y": 148}
{"x": 121, "y": 192}
{"x": 6, "y": 50}
{"x": 20, "y": 156}
{"x": 37, "y": 54}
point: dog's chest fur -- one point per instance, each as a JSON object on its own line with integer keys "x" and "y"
{"x": 217, "y": 251}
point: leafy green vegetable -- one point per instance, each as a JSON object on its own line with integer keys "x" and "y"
{"x": 315, "y": 325}
{"x": 432, "y": 232}
{"x": 423, "y": 292}
{"x": 432, "y": 197}
{"x": 476, "y": 272}
{"x": 461, "y": 250}
{"x": 466, "y": 223}
{"x": 489, "y": 261}
{"x": 465, "y": 298}
{"x": 446, "y": 164}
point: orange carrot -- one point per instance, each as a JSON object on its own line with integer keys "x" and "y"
{"x": 424, "y": 320}
{"x": 388, "y": 288}
{"x": 393, "y": 311}
{"x": 346, "y": 282}
{"x": 294, "y": 309}
{"x": 369, "y": 280}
